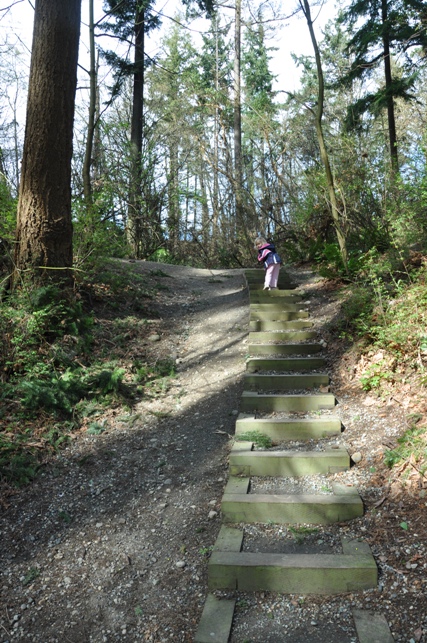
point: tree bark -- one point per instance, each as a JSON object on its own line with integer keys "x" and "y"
{"x": 44, "y": 227}
{"x": 388, "y": 84}
{"x": 321, "y": 140}
{"x": 238, "y": 178}
{"x": 87, "y": 163}
{"x": 134, "y": 223}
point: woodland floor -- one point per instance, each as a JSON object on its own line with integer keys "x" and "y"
{"x": 111, "y": 542}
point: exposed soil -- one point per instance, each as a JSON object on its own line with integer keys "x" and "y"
{"x": 111, "y": 542}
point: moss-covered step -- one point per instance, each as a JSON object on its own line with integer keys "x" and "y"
{"x": 258, "y": 325}
{"x": 260, "y": 382}
{"x": 281, "y": 336}
{"x": 277, "y": 315}
{"x": 371, "y": 627}
{"x": 265, "y": 297}
{"x": 285, "y": 349}
{"x": 251, "y": 402}
{"x": 246, "y": 462}
{"x": 281, "y": 509}
{"x": 294, "y": 364}
{"x": 276, "y": 306}
{"x": 282, "y": 292}
{"x": 259, "y": 287}
{"x": 293, "y": 574}
{"x": 280, "y": 429}
{"x": 216, "y": 621}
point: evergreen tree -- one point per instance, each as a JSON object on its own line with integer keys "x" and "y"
{"x": 390, "y": 27}
{"x": 259, "y": 111}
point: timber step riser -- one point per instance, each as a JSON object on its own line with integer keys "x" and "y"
{"x": 286, "y": 574}
{"x": 290, "y": 510}
{"x": 252, "y": 402}
{"x": 245, "y": 461}
{"x": 256, "y": 364}
{"x": 284, "y": 382}
{"x": 283, "y": 430}
{"x": 282, "y": 336}
{"x": 277, "y": 307}
{"x": 260, "y": 315}
{"x": 284, "y": 349}
{"x": 265, "y": 326}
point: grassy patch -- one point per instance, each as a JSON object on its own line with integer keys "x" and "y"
{"x": 259, "y": 439}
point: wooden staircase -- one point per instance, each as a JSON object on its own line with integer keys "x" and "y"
{"x": 285, "y": 376}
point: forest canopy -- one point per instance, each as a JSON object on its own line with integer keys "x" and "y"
{"x": 188, "y": 154}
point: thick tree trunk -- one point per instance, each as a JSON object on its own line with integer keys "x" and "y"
{"x": 391, "y": 119}
{"x": 44, "y": 228}
{"x": 134, "y": 223}
{"x": 238, "y": 178}
{"x": 335, "y": 213}
{"x": 87, "y": 163}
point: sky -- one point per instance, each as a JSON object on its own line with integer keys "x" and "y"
{"x": 291, "y": 35}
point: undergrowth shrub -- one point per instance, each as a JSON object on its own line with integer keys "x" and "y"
{"x": 411, "y": 447}
{"x": 66, "y": 359}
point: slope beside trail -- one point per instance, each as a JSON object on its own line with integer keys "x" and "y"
{"x": 111, "y": 542}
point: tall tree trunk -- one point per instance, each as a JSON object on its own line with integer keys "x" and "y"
{"x": 215, "y": 199}
{"x": 134, "y": 223}
{"x": 44, "y": 228}
{"x": 388, "y": 85}
{"x": 318, "y": 114}
{"x": 174, "y": 215}
{"x": 238, "y": 174}
{"x": 87, "y": 163}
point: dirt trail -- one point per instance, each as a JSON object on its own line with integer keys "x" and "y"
{"x": 111, "y": 542}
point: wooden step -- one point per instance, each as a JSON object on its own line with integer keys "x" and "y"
{"x": 216, "y": 621}
{"x": 371, "y": 627}
{"x": 270, "y": 297}
{"x": 251, "y": 402}
{"x": 353, "y": 570}
{"x": 278, "y": 306}
{"x": 260, "y": 382}
{"x": 277, "y": 337}
{"x": 290, "y": 429}
{"x": 256, "y": 286}
{"x": 257, "y": 325}
{"x": 244, "y": 461}
{"x": 284, "y": 349}
{"x": 275, "y": 315}
{"x": 291, "y": 509}
{"x": 275, "y": 294}
{"x": 257, "y": 364}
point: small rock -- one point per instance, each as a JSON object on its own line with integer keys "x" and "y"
{"x": 356, "y": 457}
{"x": 180, "y": 564}
{"x": 153, "y": 338}
{"x": 212, "y": 514}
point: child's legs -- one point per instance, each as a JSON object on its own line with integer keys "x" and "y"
{"x": 274, "y": 275}
{"x": 269, "y": 276}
